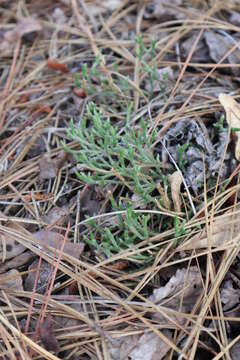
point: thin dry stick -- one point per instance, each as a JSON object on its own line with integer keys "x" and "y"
{"x": 137, "y": 60}
{"x": 9, "y": 81}
{"x": 158, "y": 118}
{"x": 83, "y": 24}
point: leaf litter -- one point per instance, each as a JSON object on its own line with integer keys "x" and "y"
{"x": 112, "y": 259}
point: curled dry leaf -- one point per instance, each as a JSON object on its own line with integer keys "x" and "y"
{"x": 225, "y": 229}
{"x": 37, "y": 196}
{"x": 232, "y": 109}
{"x": 176, "y": 182}
{"x": 180, "y": 293}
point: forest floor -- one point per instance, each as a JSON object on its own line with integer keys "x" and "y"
{"x": 119, "y": 180}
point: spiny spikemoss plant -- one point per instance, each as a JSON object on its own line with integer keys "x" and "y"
{"x": 132, "y": 228}
{"x": 117, "y": 154}
{"x": 94, "y": 82}
{"x": 148, "y": 66}
{"x": 108, "y": 156}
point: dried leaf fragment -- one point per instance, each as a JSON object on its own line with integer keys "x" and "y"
{"x": 218, "y": 46}
{"x": 150, "y": 347}
{"x": 53, "y": 64}
{"x": 229, "y": 296}
{"x": 224, "y": 230}
{"x": 180, "y": 293}
{"x": 11, "y": 280}
{"x": 17, "y": 261}
{"x": 9, "y": 246}
{"x": 164, "y": 9}
{"x": 44, "y": 276}
{"x": 53, "y": 239}
{"x": 176, "y": 182}
{"x": 80, "y": 93}
{"x": 139, "y": 347}
{"x": 49, "y": 167}
{"x": 232, "y": 109}
{"x": 24, "y": 27}
{"x": 47, "y": 335}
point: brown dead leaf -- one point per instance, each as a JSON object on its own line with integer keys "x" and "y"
{"x": 229, "y": 296}
{"x": 176, "y": 182}
{"x": 224, "y": 230}
{"x": 24, "y": 27}
{"x": 17, "y": 261}
{"x": 44, "y": 275}
{"x": 37, "y": 196}
{"x": 121, "y": 348}
{"x": 49, "y": 167}
{"x": 235, "y": 18}
{"x": 164, "y": 9}
{"x": 235, "y": 350}
{"x": 47, "y": 335}
{"x": 180, "y": 293}
{"x": 218, "y": 46}
{"x": 11, "y": 280}
{"x": 100, "y": 7}
{"x": 54, "y": 239}
{"x": 9, "y": 246}
{"x": 150, "y": 347}
{"x": 55, "y": 65}
{"x": 139, "y": 347}
{"x": 201, "y": 53}
{"x": 57, "y": 215}
{"x": 232, "y": 109}
{"x": 79, "y": 93}
{"x": 164, "y": 195}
